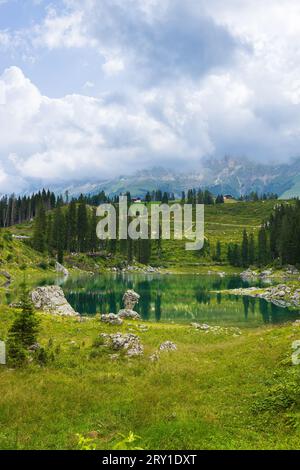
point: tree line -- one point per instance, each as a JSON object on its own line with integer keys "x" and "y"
{"x": 277, "y": 241}
{"x": 72, "y": 229}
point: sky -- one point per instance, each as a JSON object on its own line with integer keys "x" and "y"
{"x": 91, "y": 89}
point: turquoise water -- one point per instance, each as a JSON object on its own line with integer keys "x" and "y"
{"x": 175, "y": 298}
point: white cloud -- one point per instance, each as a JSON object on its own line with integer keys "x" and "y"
{"x": 175, "y": 81}
{"x": 59, "y": 31}
{"x": 79, "y": 137}
{"x": 113, "y": 65}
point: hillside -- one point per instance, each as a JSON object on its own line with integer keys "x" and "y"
{"x": 223, "y": 222}
{"x": 15, "y": 256}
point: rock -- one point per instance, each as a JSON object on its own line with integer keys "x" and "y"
{"x": 168, "y": 346}
{"x": 51, "y": 299}
{"x": 130, "y": 299}
{"x": 292, "y": 270}
{"x": 198, "y": 326}
{"x": 266, "y": 273}
{"x": 129, "y": 343}
{"x": 130, "y": 314}
{"x": 112, "y": 319}
{"x": 61, "y": 269}
{"x": 296, "y": 323}
{"x": 248, "y": 274}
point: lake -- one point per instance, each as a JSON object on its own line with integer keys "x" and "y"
{"x": 175, "y": 298}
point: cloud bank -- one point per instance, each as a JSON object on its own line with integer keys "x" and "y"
{"x": 156, "y": 82}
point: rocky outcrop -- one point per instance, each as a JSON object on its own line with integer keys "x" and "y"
{"x": 51, "y": 299}
{"x": 248, "y": 275}
{"x": 217, "y": 330}
{"x": 139, "y": 269}
{"x": 292, "y": 270}
{"x": 281, "y": 295}
{"x": 112, "y": 319}
{"x": 168, "y": 346}
{"x": 129, "y": 314}
{"x": 128, "y": 343}
{"x": 130, "y": 299}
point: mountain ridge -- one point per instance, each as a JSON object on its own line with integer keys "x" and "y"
{"x": 228, "y": 175}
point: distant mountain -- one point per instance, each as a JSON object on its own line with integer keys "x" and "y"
{"x": 226, "y": 176}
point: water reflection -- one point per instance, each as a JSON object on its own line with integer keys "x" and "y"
{"x": 175, "y": 298}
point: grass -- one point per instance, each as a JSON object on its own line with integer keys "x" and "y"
{"x": 214, "y": 392}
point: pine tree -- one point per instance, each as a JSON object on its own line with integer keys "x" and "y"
{"x": 82, "y": 227}
{"x": 251, "y": 257}
{"x": 262, "y": 247}
{"x": 245, "y": 249}
{"x": 72, "y": 226}
{"x": 23, "y": 332}
{"x": 218, "y": 251}
{"x": 93, "y": 239}
{"x": 59, "y": 241}
{"x": 165, "y": 198}
{"x": 40, "y": 230}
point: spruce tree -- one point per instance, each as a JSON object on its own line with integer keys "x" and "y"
{"x": 262, "y": 247}
{"x": 23, "y": 332}
{"x": 59, "y": 232}
{"x": 40, "y": 230}
{"x": 251, "y": 258}
{"x": 72, "y": 226}
{"x": 245, "y": 249}
{"x": 218, "y": 251}
{"x": 93, "y": 239}
{"x": 82, "y": 227}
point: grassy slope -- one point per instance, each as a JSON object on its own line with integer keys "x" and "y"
{"x": 15, "y": 255}
{"x": 203, "y": 396}
{"x": 224, "y": 222}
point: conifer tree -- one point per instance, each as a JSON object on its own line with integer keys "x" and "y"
{"x": 59, "y": 233}
{"x": 40, "y": 230}
{"x": 245, "y": 249}
{"x": 23, "y": 332}
{"x": 82, "y": 226}
{"x": 251, "y": 257}
{"x": 72, "y": 226}
{"x": 262, "y": 247}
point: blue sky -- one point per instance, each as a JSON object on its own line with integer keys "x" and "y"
{"x": 91, "y": 89}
